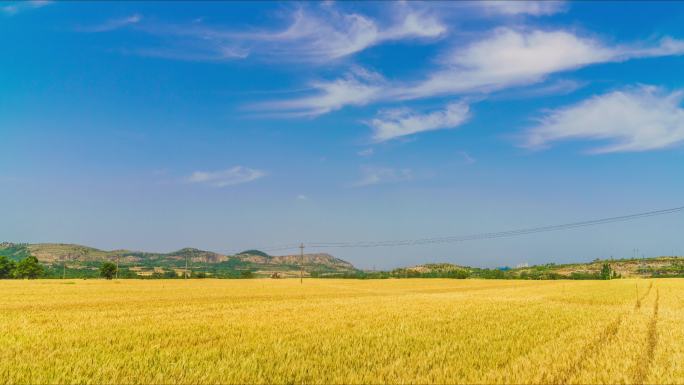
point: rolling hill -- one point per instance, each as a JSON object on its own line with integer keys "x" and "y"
{"x": 77, "y": 257}
{"x": 77, "y": 261}
{"x": 666, "y": 266}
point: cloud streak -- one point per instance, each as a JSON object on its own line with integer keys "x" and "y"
{"x": 532, "y": 8}
{"x": 505, "y": 58}
{"x": 331, "y": 34}
{"x": 229, "y": 177}
{"x": 20, "y": 6}
{"x": 358, "y": 87}
{"x": 372, "y": 175}
{"x": 640, "y": 118}
{"x": 395, "y": 123}
{"x": 113, "y": 24}
{"x": 510, "y": 57}
{"x": 312, "y": 34}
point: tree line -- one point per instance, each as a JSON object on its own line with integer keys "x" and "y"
{"x": 30, "y": 268}
{"x": 27, "y": 268}
{"x": 534, "y": 273}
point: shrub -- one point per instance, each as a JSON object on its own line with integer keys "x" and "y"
{"x": 6, "y": 267}
{"x": 108, "y": 270}
{"x": 29, "y": 267}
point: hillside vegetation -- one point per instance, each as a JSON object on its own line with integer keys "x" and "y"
{"x": 81, "y": 261}
{"x": 658, "y": 267}
{"x": 69, "y": 260}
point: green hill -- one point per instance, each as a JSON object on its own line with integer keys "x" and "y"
{"x": 254, "y": 252}
{"x": 80, "y": 260}
{"x": 83, "y": 261}
{"x": 666, "y": 266}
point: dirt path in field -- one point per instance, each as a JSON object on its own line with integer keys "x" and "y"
{"x": 608, "y": 336}
{"x": 640, "y": 299}
{"x": 644, "y": 364}
{"x": 589, "y": 351}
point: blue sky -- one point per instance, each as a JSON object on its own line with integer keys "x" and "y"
{"x": 228, "y": 126}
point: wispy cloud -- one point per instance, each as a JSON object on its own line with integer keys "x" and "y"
{"x": 9, "y": 9}
{"x": 366, "y": 152}
{"x": 113, "y": 24}
{"x": 314, "y": 34}
{"x": 556, "y": 87}
{"x": 329, "y": 34}
{"x": 20, "y": 6}
{"x": 521, "y": 7}
{"x": 371, "y": 175}
{"x": 358, "y": 87}
{"x": 229, "y": 177}
{"x": 510, "y": 57}
{"x": 635, "y": 119}
{"x": 191, "y": 52}
{"x": 505, "y": 58}
{"x": 467, "y": 159}
{"x": 395, "y": 123}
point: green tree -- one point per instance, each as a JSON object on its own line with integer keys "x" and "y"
{"x": 108, "y": 270}
{"x": 29, "y": 267}
{"x": 606, "y": 271}
{"x": 169, "y": 274}
{"x": 6, "y": 267}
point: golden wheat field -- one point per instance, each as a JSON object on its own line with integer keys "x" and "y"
{"x": 342, "y": 331}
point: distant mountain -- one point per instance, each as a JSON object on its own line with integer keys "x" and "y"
{"x": 312, "y": 260}
{"x": 436, "y": 268}
{"x": 254, "y": 252}
{"x": 81, "y": 260}
{"x": 668, "y": 266}
{"x": 77, "y": 257}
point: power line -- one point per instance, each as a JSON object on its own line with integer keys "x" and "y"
{"x": 481, "y": 236}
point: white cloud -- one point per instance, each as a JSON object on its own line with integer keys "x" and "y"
{"x": 313, "y": 34}
{"x": 192, "y": 52}
{"x": 357, "y": 88}
{"x": 503, "y": 59}
{"x": 39, "y": 3}
{"x": 302, "y": 197}
{"x": 396, "y": 123}
{"x": 636, "y": 119}
{"x": 376, "y": 175}
{"x": 10, "y": 9}
{"x": 557, "y": 87}
{"x": 520, "y": 7}
{"x": 113, "y": 24}
{"x": 508, "y": 58}
{"x": 467, "y": 159}
{"x": 330, "y": 35}
{"x": 232, "y": 176}
{"x": 366, "y": 152}
{"x": 14, "y": 8}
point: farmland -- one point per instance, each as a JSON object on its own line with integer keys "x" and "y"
{"x": 342, "y": 331}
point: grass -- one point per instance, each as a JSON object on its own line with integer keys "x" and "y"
{"x": 342, "y": 331}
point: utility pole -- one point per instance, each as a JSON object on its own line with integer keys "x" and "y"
{"x": 185, "y": 273}
{"x": 301, "y": 263}
{"x": 63, "y": 269}
{"x": 117, "y": 266}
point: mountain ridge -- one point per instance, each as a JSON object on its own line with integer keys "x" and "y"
{"x": 653, "y": 267}
{"x": 77, "y": 256}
